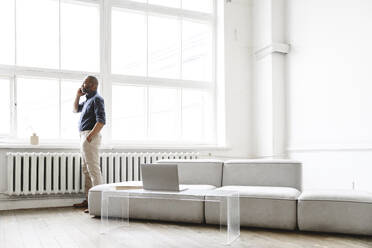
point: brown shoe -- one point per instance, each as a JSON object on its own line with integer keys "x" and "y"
{"x": 86, "y": 211}
{"x": 83, "y": 204}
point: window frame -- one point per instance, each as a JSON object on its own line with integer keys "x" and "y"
{"x": 107, "y": 79}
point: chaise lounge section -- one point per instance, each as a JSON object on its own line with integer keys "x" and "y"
{"x": 337, "y": 211}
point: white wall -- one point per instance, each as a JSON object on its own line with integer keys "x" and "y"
{"x": 329, "y": 76}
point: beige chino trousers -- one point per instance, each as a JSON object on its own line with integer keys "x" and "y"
{"x": 90, "y": 159}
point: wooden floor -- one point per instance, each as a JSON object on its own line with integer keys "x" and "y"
{"x": 71, "y": 228}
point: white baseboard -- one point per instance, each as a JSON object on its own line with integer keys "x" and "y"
{"x": 27, "y": 203}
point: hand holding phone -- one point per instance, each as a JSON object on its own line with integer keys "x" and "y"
{"x": 80, "y": 91}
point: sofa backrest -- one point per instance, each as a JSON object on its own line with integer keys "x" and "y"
{"x": 263, "y": 172}
{"x": 198, "y": 171}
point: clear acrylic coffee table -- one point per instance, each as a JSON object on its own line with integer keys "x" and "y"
{"x": 228, "y": 201}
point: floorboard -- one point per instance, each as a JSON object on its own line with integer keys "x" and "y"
{"x": 71, "y": 228}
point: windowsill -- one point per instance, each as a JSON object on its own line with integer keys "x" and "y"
{"x": 138, "y": 147}
{"x": 43, "y": 146}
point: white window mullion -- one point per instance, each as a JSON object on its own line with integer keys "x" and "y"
{"x": 181, "y": 44}
{"x": 180, "y": 114}
{"x": 15, "y": 107}
{"x": 59, "y": 35}
{"x": 214, "y": 75}
{"x": 152, "y": 8}
{"x": 45, "y": 72}
{"x": 147, "y": 113}
{"x": 12, "y": 80}
{"x": 179, "y": 91}
{"x": 59, "y": 78}
{"x": 11, "y": 105}
{"x": 105, "y": 38}
{"x": 147, "y": 42}
{"x": 15, "y": 32}
{"x": 147, "y": 104}
{"x": 166, "y": 82}
{"x": 204, "y": 102}
{"x": 59, "y": 109}
{"x": 105, "y": 64}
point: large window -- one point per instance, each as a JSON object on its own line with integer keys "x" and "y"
{"x": 155, "y": 60}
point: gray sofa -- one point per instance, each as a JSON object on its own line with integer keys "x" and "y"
{"x": 270, "y": 197}
{"x": 268, "y": 190}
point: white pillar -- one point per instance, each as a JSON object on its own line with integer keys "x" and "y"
{"x": 269, "y": 102}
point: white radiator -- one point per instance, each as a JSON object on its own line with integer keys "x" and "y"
{"x": 61, "y": 173}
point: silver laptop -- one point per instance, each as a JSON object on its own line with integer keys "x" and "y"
{"x": 163, "y": 177}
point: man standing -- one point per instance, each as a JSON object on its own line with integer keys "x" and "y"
{"x": 92, "y": 120}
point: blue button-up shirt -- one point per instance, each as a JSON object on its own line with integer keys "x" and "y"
{"x": 92, "y": 111}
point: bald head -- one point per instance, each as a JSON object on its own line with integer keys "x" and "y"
{"x": 90, "y": 84}
{"x": 93, "y": 81}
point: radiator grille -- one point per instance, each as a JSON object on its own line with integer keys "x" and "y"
{"x": 61, "y": 173}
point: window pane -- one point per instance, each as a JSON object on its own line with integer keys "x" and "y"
{"x": 7, "y": 31}
{"x": 69, "y": 120}
{"x": 196, "y": 51}
{"x": 198, "y": 5}
{"x": 167, "y": 3}
{"x": 129, "y": 41}
{"x": 37, "y": 107}
{"x": 197, "y": 115}
{"x": 4, "y": 106}
{"x": 128, "y": 112}
{"x": 192, "y": 115}
{"x": 164, "y": 47}
{"x": 37, "y": 33}
{"x": 163, "y": 113}
{"x": 80, "y": 36}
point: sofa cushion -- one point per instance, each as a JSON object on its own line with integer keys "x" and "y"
{"x": 340, "y": 211}
{"x": 271, "y": 207}
{"x": 156, "y": 206}
{"x": 280, "y": 193}
{"x": 336, "y": 195}
{"x": 198, "y": 171}
{"x": 263, "y": 172}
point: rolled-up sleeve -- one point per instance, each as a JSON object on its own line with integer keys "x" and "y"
{"x": 80, "y": 107}
{"x": 99, "y": 110}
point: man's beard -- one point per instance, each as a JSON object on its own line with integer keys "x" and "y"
{"x": 85, "y": 90}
